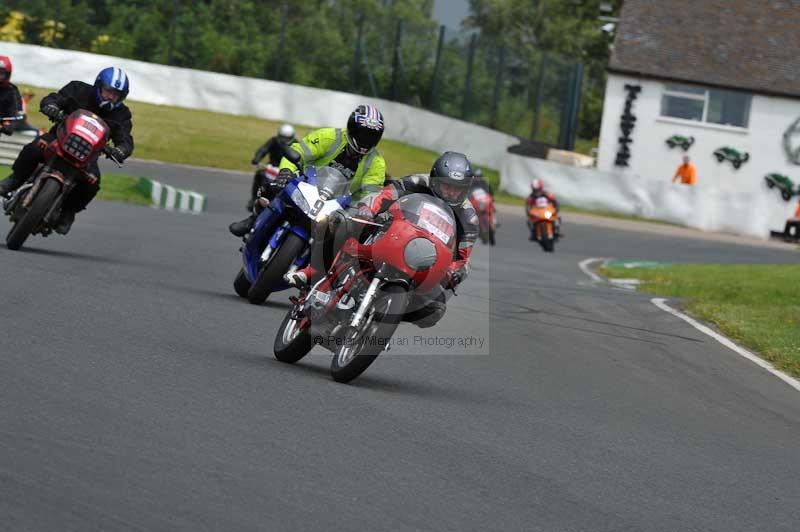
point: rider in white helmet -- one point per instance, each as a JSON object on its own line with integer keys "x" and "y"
{"x": 274, "y": 147}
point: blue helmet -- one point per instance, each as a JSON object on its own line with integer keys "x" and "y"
{"x": 112, "y": 78}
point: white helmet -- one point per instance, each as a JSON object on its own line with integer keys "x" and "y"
{"x": 286, "y": 132}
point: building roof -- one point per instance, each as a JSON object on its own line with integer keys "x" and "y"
{"x": 751, "y": 45}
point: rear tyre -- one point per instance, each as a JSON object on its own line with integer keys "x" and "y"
{"x": 291, "y": 343}
{"x": 272, "y": 272}
{"x": 361, "y": 350}
{"x": 37, "y": 210}
{"x": 786, "y": 195}
{"x": 241, "y": 284}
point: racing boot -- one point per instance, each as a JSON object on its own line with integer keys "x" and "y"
{"x": 64, "y": 223}
{"x": 242, "y": 227}
{"x": 9, "y": 185}
{"x": 302, "y": 279}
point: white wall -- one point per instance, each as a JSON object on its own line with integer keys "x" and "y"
{"x": 726, "y": 210}
{"x": 652, "y": 160}
{"x": 195, "y": 89}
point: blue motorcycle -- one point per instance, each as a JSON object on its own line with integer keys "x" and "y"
{"x": 282, "y": 237}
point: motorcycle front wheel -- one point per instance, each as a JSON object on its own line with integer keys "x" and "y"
{"x": 291, "y": 342}
{"x": 22, "y": 229}
{"x": 272, "y": 272}
{"x": 362, "y": 347}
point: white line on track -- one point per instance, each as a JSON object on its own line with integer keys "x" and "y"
{"x": 741, "y": 351}
{"x": 584, "y": 266}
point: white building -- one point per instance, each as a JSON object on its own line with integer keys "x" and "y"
{"x": 723, "y": 73}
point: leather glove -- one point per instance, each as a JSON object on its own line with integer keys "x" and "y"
{"x": 454, "y": 278}
{"x": 254, "y": 161}
{"x": 284, "y": 176}
{"x": 365, "y": 213}
{"x": 53, "y": 112}
{"x": 117, "y": 154}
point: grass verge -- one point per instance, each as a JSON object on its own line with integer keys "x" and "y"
{"x": 203, "y": 138}
{"x": 756, "y": 305}
{"x": 113, "y": 187}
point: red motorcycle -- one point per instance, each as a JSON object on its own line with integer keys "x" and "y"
{"x": 36, "y": 206}
{"x": 354, "y": 310}
{"x": 483, "y": 203}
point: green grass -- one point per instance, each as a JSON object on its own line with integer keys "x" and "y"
{"x": 113, "y": 187}
{"x": 756, "y": 305}
{"x": 203, "y": 138}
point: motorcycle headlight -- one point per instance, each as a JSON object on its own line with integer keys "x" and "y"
{"x": 547, "y": 214}
{"x": 420, "y": 254}
{"x": 299, "y": 200}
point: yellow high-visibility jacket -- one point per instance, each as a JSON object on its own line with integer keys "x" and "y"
{"x": 322, "y": 146}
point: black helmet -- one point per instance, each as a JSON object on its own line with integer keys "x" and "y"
{"x": 477, "y": 172}
{"x": 451, "y": 177}
{"x": 364, "y": 128}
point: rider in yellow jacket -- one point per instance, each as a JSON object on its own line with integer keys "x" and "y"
{"x": 352, "y": 151}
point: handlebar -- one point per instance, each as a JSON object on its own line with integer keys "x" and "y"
{"x": 109, "y": 155}
{"x": 12, "y": 118}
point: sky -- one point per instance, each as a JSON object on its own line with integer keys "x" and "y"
{"x": 450, "y": 12}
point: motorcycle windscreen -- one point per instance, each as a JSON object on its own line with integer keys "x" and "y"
{"x": 331, "y": 182}
{"x": 430, "y": 214}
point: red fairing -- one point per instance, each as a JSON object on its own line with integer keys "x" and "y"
{"x": 81, "y": 138}
{"x": 389, "y": 249}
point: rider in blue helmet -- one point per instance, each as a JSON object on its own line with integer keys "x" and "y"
{"x": 110, "y": 88}
{"x": 105, "y": 99}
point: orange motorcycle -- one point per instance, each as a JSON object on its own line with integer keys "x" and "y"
{"x": 542, "y": 217}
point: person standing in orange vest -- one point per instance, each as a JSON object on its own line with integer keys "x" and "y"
{"x": 686, "y": 172}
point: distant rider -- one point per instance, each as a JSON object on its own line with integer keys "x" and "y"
{"x": 352, "y": 151}
{"x": 10, "y": 100}
{"x": 538, "y": 191}
{"x": 104, "y": 98}
{"x": 274, "y": 148}
{"x": 450, "y": 179}
{"x": 480, "y": 183}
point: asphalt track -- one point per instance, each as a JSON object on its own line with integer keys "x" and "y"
{"x": 138, "y": 393}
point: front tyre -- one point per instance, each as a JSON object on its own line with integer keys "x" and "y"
{"x": 362, "y": 347}
{"x": 291, "y": 342}
{"x": 272, "y": 272}
{"x": 22, "y": 229}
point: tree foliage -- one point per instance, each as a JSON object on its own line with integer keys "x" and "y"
{"x": 321, "y": 47}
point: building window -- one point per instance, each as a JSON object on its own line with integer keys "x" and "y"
{"x": 715, "y": 106}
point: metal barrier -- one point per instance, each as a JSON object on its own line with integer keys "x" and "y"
{"x": 10, "y": 146}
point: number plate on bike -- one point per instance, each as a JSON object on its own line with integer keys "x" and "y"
{"x": 432, "y": 219}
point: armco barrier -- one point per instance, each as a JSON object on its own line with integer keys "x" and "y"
{"x": 171, "y": 198}
{"x": 10, "y": 146}
{"x": 195, "y": 89}
{"x": 704, "y": 206}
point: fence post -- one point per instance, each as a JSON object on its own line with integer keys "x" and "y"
{"x": 569, "y": 112}
{"x": 357, "y": 55}
{"x": 398, "y": 36}
{"x": 281, "y": 42}
{"x": 436, "y": 65}
{"x": 468, "y": 83}
{"x": 498, "y": 82}
{"x": 173, "y": 23}
{"x": 537, "y": 109}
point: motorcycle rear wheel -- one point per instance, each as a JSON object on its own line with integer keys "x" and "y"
{"x": 241, "y": 284}
{"x": 22, "y": 229}
{"x": 356, "y": 355}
